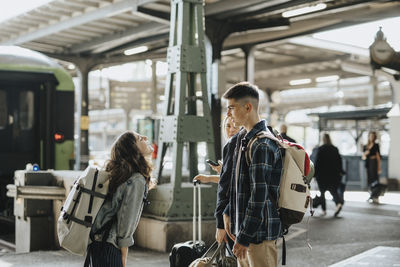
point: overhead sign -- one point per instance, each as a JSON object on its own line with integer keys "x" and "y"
{"x": 130, "y": 95}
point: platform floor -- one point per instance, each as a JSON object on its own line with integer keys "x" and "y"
{"x": 378, "y": 256}
{"x": 364, "y": 234}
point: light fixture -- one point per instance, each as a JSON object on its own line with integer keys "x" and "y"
{"x": 298, "y": 82}
{"x": 384, "y": 83}
{"x": 303, "y": 10}
{"x": 136, "y": 50}
{"x": 339, "y": 94}
{"x": 71, "y": 66}
{"x": 327, "y": 78}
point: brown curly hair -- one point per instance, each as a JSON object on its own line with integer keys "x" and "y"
{"x": 126, "y": 159}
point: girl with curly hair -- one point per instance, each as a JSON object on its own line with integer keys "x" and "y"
{"x": 116, "y": 221}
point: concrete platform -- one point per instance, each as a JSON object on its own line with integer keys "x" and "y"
{"x": 379, "y": 256}
{"x": 364, "y": 234}
{"x": 62, "y": 258}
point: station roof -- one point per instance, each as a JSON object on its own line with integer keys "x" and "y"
{"x": 108, "y": 27}
{"x": 99, "y": 31}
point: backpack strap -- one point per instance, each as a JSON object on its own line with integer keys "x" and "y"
{"x": 86, "y": 223}
{"x": 261, "y": 134}
{"x": 92, "y": 193}
{"x": 248, "y": 154}
{"x": 104, "y": 230}
{"x": 96, "y": 174}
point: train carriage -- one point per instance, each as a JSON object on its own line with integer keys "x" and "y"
{"x": 36, "y": 116}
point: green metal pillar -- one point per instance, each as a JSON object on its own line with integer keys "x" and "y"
{"x": 182, "y": 126}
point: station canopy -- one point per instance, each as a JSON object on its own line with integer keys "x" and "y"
{"x": 285, "y": 51}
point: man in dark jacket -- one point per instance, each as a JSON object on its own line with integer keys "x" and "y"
{"x": 328, "y": 172}
{"x": 284, "y": 135}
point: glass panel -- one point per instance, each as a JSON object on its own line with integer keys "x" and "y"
{"x": 3, "y": 109}
{"x": 26, "y": 110}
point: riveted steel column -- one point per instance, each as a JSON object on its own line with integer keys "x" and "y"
{"x": 182, "y": 125}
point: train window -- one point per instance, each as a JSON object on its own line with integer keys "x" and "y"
{"x": 26, "y": 110}
{"x": 3, "y": 109}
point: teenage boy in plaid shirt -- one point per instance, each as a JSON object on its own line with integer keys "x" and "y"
{"x": 250, "y": 218}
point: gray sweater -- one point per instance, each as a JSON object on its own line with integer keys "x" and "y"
{"x": 127, "y": 204}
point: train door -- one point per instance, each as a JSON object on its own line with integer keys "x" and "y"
{"x": 19, "y": 130}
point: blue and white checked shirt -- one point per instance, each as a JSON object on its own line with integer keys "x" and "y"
{"x": 253, "y": 212}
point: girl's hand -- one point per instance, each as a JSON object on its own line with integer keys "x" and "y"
{"x": 202, "y": 178}
{"x": 218, "y": 168}
{"x": 365, "y": 154}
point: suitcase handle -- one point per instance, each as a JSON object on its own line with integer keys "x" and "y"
{"x": 196, "y": 184}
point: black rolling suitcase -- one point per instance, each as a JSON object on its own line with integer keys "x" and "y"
{"x": 183, "y": 254}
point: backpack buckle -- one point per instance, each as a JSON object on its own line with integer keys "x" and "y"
{"x": 298, "y": 188}
{"x": 65, "y": 216}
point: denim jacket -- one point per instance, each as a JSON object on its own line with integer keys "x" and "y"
{"x": 253, "y": 212}
{"x": 127, "y": 204}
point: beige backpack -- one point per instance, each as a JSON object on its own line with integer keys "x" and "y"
{"x": 80, "y": 209}
{"x": 294, "y": 194}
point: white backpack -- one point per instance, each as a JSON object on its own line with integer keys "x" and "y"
{"x": 294, "y": 194}
{"x": 80, "y": 209}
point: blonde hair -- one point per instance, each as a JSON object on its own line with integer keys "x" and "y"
{"x": 225, "y": 124}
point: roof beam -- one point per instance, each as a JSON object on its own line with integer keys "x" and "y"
{"x": 44, "y": 46}
{"x": 247, "y": 7}
{"x": 156, "y": 38}
{"x": 228, "y": 6}
{"x": 81, "y": 32}
{"x": 126, "y": 59}
{"x": 117, "y": 38}
{"x": 70, "y": 6}
{"x": 84, "y": 4}
{"x": 153, "y": 15}
{"x": 54, "y": 10}
{"x": 100, "y": 13}
{"x": 87, "y": 28}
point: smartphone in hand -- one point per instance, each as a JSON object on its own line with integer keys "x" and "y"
{"x": 209, "y": 161}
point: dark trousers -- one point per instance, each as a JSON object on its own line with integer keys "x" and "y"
{"x": 373, "y": 178}
{"x": 335, "y": 192}
{"x": 103, "y": 254}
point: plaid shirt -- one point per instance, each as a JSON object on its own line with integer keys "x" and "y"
{"x": 258, "y": 219}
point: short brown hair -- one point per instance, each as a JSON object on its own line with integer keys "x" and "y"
{"x": 242, "y": 90}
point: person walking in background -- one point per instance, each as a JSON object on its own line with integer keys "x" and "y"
{"x": 328, "y": 173}
{"x": 372, "y": 157}
{"x": 254, "y": 184}
{"x": 284, "y": 135}
{"x": 117, "y": 219}
{"x": 224, "y": 177}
